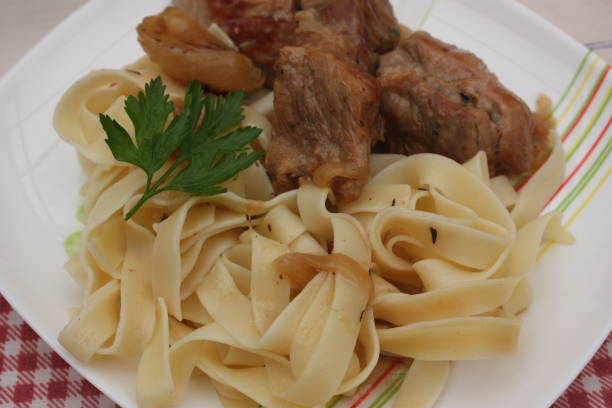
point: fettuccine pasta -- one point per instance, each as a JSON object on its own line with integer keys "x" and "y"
{"x": 287, "y": 301}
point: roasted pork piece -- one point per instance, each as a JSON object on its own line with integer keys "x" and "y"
{"x": 327, "y": 118}
{"x": 312, "y": 31}
{"x": 371, "y": 19}
{"x": 326, "y": 102}
{"x": 369, "y": 26}
{"x": 438, "y": 98}
{"x": 381, "y": 27}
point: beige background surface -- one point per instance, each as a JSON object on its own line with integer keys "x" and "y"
{"x": 24, "y": 22}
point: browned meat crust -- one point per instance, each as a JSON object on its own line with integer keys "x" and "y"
{"x": 313, "y": 31}
{"x": 326, "y": 101}
{"x": 327, "y": 114}
{"x": 369, "y": 26}
{"x": 381, "y": 26}
{"x": 438, "y": 98}
{"x": 370, "y": 20}
{"x": 258, "y": 27}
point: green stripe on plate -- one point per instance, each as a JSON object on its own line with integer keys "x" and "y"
{"x": 334, "y": 401}
{"x": 521, "y": 180}
{"x": 589, "y": 128}
{"x": 579, "y": 89}
{"x": 389, "y": 392}
{"x": 580, "y": 111}
{"x": 573, "y": 81}
{"x": 427, "y": 14}
{"x": 584, "y": 181}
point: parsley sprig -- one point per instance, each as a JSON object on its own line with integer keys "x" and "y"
{"x": 211, "y": 150}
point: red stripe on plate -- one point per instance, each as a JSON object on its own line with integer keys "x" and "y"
{"x": 569, "y": 132}
{"x": 586, "y": 107}
{"x": 526, "y": 179}
{"x": 584, "y": 159}
{"x": 375, "y": 384}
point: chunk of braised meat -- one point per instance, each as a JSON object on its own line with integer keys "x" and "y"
{"x": 186, "y": 51}
{"x": 373, "y": 19}
{"x": 382, "y": 28}
{"x": 327, "y": 118}
{"x": 309, "y": 4}
{"x": 258, "y": 27}
{"x": 441, "y": 99}
{"x": 369, "y": 25}
{"x": 312, "y": 32}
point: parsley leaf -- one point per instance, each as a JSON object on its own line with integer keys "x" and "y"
{"x": 211, "y": 148}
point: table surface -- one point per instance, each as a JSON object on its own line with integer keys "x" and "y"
{"x": 31, "y": 374}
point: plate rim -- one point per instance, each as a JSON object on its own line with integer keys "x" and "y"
{"x": 79, "y": 13}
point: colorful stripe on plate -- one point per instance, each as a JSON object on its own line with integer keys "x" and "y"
{"x": 571, "y": 84}
{"x": 580, "y": 113}
{"x": 579, "y": 90}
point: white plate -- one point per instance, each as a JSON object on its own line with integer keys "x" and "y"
{"x": 571, "y": 312}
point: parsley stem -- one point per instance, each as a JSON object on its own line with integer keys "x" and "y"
{"x": 167, "y": 174}
{"x": 139, "y": 204}
{"x": 153, "y": 191}
{"x": 149, "y": 181}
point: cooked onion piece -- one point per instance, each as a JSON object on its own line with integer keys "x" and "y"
{"x": 187, "y": 51}
{"x": 302, "y": 268}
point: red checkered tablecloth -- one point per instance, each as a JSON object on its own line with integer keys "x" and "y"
{"x": 32, "y": 375}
